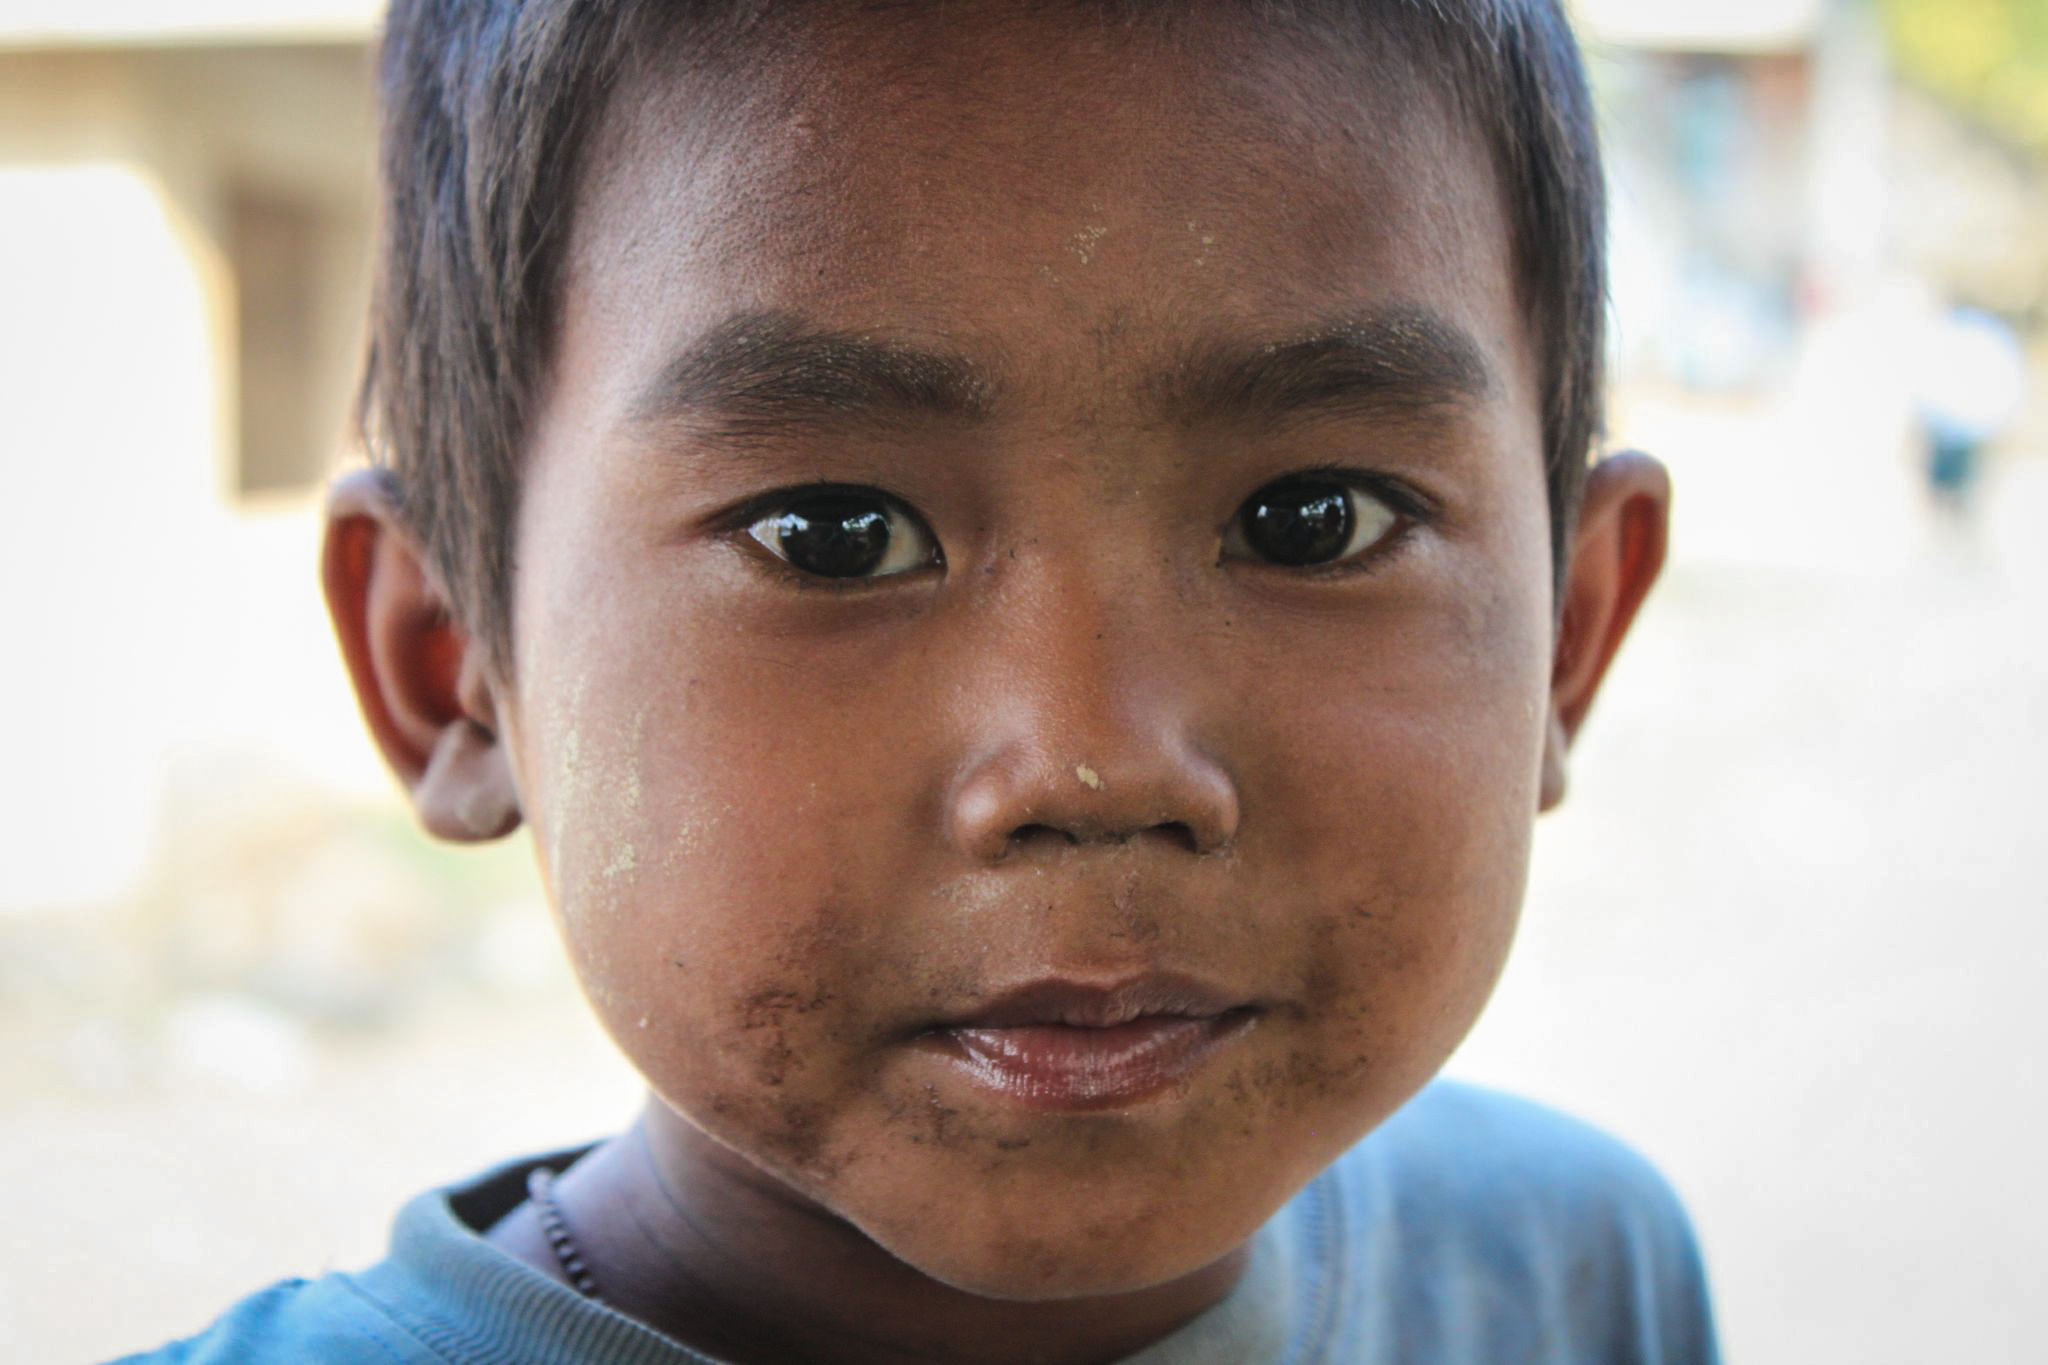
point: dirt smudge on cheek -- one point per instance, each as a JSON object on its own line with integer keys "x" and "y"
{"x": 790, "y": 1135}
{"x": 620, "y": 784}
{"x": 1305, "y": 1077}
{"x": 787, "y": 1075}
{"x": 766, "y": 1035}
{"x": 564, "y": 740}
{"x": 624, "y": 861}
{"x": 593, "y": 805}
{"x": 1084, "y": 242}
{"x": 787, "y": 1039}
{"x": 610, "y": 787}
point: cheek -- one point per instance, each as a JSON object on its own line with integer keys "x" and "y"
{"x": 1404, "y": 799}
{"x": 712, "y": 878}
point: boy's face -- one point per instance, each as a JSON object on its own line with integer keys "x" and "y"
{"x": 1049, "y": 303}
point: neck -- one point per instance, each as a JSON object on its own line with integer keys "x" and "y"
{"x": 707, "y": 1248}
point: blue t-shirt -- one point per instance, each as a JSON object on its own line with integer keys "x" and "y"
{"x": 1469, "y": 1229}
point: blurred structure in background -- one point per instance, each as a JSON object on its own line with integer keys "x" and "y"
{"x": 184, "y": 239}
{"x": 224, "y": 952}
{"x": 208, "y": 893}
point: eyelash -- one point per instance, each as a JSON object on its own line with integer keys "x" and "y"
{"x": 1410, "y": 508}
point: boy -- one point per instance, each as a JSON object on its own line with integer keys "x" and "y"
{"x": 1029, "y": 567}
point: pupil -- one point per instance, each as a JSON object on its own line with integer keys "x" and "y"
{"x": 1299, "y": 523}
{"x": 834, "y": 537}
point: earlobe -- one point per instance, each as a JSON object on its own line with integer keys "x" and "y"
{"x": 466, "y": 792}
{"x": 420, "y": 679}
{"x": 1616, "y": 553}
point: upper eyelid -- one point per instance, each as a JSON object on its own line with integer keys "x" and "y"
{"x": 748, "y": 511}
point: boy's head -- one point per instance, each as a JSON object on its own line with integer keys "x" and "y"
{"x": 488, "y": 112}
{"x": 1007, "y": 553}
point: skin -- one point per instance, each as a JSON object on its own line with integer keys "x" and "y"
{"x": 788, "y": 824}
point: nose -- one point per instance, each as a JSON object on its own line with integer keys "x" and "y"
{"x": 1085, "y": 731}
{"x": 1134, "y": 790}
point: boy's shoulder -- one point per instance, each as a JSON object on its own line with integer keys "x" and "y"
{"x": 1475, "y": 1225}
{"x": 1459, "y": 1142}
{"x": 442, "y": 1296}
{"x": 295, "y": 1319}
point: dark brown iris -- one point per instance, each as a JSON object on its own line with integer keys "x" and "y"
{"x": 1298, "y": 521}
{"x": 834, "y": 535}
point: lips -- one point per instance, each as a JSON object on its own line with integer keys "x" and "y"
{"x": 1072, "y": 1045}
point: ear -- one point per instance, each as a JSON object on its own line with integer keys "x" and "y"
{"x": 1615, "y": 554}
{"x": 423, "y": 683}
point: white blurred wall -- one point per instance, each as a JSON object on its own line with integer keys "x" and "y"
{"x": 136, "y": 497}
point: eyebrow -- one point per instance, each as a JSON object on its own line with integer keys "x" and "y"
{"x": 1391, "y": 363}
{"x": 762, "y": 374}
{"x": 758, "y": 373}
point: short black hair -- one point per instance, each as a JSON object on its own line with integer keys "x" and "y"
{"x": 487, "y": 103}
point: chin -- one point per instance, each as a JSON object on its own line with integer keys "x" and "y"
{"x": 1045, "y": 1253}
{"x": 1051, "y": 1273}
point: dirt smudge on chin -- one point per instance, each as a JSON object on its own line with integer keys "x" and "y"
{"x": 926, "y": 1120}
{"x": 1300, "y": 1079}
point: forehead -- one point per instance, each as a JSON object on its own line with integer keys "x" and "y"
{"x": 1066, "y": 194}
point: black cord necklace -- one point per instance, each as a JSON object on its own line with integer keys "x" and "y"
{"x": 540, "y": 1184}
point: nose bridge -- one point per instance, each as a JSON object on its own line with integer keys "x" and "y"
{"x": 1085, "y": 633}
{"x": 1088, "y": 720}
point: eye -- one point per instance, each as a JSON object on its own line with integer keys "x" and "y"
{"x": 845, "y": 534}
{"x": 1304, "y": 520}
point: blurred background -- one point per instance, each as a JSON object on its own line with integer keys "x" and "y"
{"x": 1788, "y": 935}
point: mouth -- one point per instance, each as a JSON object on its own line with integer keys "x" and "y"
{"x": 1062, "y": 1044}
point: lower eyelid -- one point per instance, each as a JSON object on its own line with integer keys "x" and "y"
{"x": 785, "y": 574}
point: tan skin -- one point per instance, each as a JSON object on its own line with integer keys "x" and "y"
{"x": 789, "y": 821}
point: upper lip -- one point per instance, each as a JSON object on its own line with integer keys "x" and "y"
{"x": 1089, "y": 1004}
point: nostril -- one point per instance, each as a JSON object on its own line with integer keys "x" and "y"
{"x": 1175, "y": 831}
{"x": 1025, "y": 834}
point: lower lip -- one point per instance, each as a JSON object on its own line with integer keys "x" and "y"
{"x": 1059, "y": 1066}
